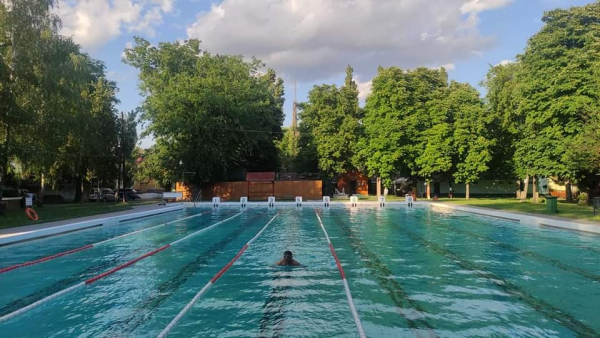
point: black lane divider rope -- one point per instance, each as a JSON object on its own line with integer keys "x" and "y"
{"x": 528, "y": 253}
{"x": 555, "y": 314}
{"x": 384, "y": 278}
{"x": 73, "y": 279}
{"x": 125, "y": 326}
{"x": 274, "y": 309}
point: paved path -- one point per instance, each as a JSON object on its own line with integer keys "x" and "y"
{"x": 8, "y": 232}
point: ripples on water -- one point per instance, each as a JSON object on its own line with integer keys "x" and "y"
{"x": 412, "y": 273}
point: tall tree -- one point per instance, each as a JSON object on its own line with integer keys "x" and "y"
{"x": 559, "y": 86}
{"x": 212, "y": 112}
{"x": 331, "y": 117}
{"x": 23, "y": 24}
{"x": 471, "y": 139}
{"x": 507, "y": 121}
{"x": 400, "y": 114}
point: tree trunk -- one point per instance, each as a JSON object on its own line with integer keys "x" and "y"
{"x": 524, "y": 193}
{"x": 468, "y": 193}
{"x": 569, "y": 191}
{"x": 42, "y": 191}
{"x": 78, "y": 189}
{"x": 428, "y": 189}
{"x": 378, "y": 187}
{"x": 534, "y": 190}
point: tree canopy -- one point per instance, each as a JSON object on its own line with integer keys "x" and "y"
{"x": 213, "y": 113}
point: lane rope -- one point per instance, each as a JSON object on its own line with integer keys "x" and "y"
{"x": 89, "y": 246}
{"x": 361, "y": 332}
{"x": 107, "y": 273}
{"x": 210, "y": 283}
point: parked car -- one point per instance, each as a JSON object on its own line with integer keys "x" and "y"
{"x": 130, "y": 194}
{"x": 104, "y": 194}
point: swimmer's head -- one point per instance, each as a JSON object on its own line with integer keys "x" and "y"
{"x": 287, "y": 255}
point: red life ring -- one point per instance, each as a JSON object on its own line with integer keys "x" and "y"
{"x": 31, "y": 214}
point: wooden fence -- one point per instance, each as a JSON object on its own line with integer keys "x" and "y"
{"x": 259, "y": 191}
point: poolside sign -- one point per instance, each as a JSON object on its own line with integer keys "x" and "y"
{"x": 326, "y": 200}
{"x": 216, "y": 201}
{"x": 28, "y": 201}
{"x": 243, "y": 201}
{"x": 298, "y": 201}
{"x": 409, "y": 200}
{"x": 381, "y": 201}
{"x": 353, "y": 201}
{"x": 271, "y": 201}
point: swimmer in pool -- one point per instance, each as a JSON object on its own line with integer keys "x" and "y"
{"x": 288, "y": 260}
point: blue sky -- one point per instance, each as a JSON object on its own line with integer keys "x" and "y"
{"x": 311, "y": 41}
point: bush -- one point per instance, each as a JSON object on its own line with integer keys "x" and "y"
{"x": 583, "y": 198}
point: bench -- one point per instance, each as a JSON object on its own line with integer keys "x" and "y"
{"x": 168, "y": 196}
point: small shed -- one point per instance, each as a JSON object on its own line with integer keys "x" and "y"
{"x": 353, "y": 183}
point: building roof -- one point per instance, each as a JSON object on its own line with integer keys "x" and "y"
{"x": 260, "y": 176}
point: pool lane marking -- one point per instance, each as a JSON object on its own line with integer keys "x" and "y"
{"x": 525, "y": 252}
{"x": 107, "y": 273}
{"x": 89, "y": 246}
{"x": 384, "y": 277}
{"x": 561, "y": 317}
{"x": 361, "y": 332}
{"x": 210, "y": 283}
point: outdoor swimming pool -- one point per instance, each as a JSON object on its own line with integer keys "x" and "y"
{"x": 419, "y": 271}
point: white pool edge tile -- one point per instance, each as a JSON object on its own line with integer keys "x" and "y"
{"x": 55, "y": 230}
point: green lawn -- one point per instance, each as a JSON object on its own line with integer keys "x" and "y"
{"x": 567, "y": 210}
{"x": 56, "y": 212}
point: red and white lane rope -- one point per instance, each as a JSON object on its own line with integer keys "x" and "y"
{"x": 210, "y": 283}
{"x": 361, "y": 332}
{"x": 89, "y": 246}
{"x": 107, "y": 273}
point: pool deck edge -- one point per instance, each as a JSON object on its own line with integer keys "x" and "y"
{"x": 553, "y": 222}
{"x": 19, "y": 234}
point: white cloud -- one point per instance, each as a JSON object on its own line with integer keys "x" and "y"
{"x": 505, "y": 62}
{"x": 315, "y": 39}
{"x": 93, "y": 23}
{"x": 476, "y": 6}
{"x": 448, "y": 66}
{"x": 128, "y": 45}
{"x": 364, "y": 88}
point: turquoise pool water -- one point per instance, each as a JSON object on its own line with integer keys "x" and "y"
{"x": 412, "y": 272}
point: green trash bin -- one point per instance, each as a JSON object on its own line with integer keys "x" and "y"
{"x": 552, "y": 204}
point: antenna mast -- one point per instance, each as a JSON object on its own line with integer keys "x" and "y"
{"x": 294, "y": 112}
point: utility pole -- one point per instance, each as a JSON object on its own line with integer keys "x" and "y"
{"x": 295, "y": 114}
{"x": 122, "y": 159}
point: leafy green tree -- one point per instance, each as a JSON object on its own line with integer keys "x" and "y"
{"x": 331, "y": 117}
{"x": 507, "y": 122}
{"x": 211, "y": 112}
{"x": 288, "y": 150}
{"x": 24, "y": 25}
{"x": 559, "y": 87}
{"x": 127, "y": 139}
{"x": 400, "y": 115}
{"x": 470, "y": 138}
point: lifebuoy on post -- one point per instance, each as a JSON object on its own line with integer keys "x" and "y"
{"x": 31, "y": 214}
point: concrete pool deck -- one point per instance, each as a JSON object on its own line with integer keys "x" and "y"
{"x": 28, "y": 232}
{"x": 525, "y": 218}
